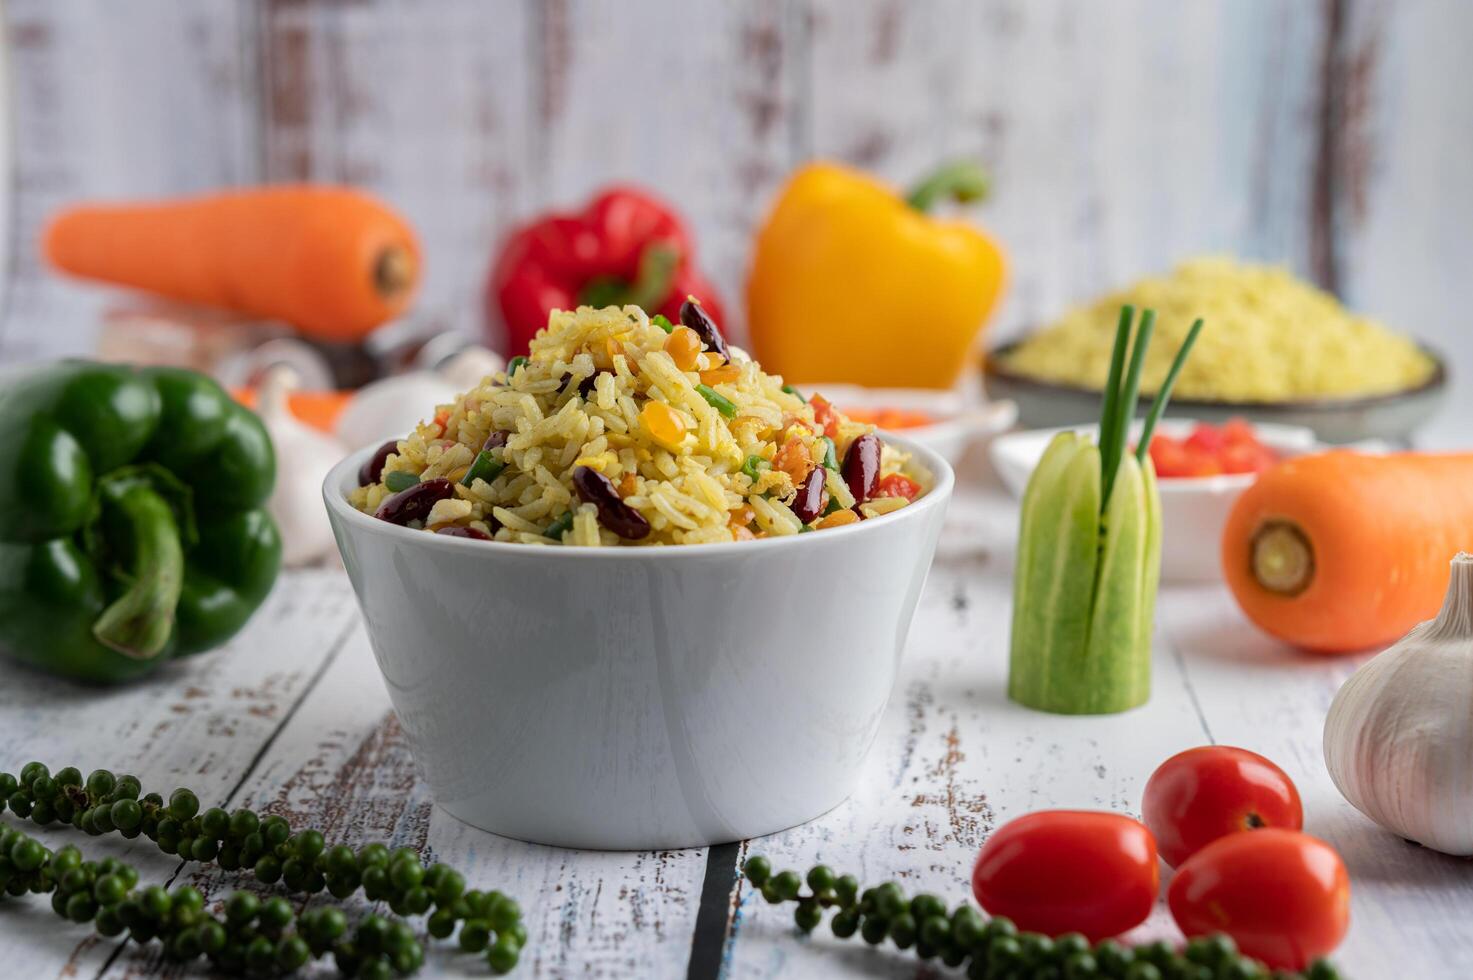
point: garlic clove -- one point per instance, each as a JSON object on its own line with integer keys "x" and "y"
{"x": 1398, "y": 738}
{"x": 304, "y": 456}
{"x": 469, "y": 367}
{"x": 391, "y": 407}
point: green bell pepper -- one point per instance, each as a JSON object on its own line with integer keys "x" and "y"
{"x": 132, "y": 520}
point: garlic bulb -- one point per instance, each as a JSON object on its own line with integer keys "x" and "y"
{"x": 303, "y": 457}
{"x": 1399, "y": 735}
{"x": 393, "y": 406}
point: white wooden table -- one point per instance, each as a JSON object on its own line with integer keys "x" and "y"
{"x": 293, "y": 719}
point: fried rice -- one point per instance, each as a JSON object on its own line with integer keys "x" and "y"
{"x": 601, "y": 422}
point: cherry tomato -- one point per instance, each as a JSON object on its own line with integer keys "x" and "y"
{"x": 1059, "y": 871}
{"x": 1282, "y": 895}
{"x": 1202, "y": 794}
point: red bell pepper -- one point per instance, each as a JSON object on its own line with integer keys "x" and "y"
{"x": 624, "y": 247}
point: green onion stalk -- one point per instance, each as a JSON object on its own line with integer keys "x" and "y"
{"x": 1089, "y": 551}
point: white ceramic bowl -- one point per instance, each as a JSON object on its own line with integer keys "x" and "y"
{"x": 640, "y": 698}
{"x": 1193, "y": 509}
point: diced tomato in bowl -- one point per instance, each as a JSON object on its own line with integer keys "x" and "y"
{"x": 1209, "y": 450}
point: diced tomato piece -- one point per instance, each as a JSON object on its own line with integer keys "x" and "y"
{"x": 1206, "y": 439}
{"x": 1237, "y": 431}
{"x": 1209, "y": 450}
{"x": 1250, "y": 458}
{"x": 1169, "y": 456}
{"x": 896, "y": 485}
{"x": 825, "y": 415}
{"x": 1201, "y": 464}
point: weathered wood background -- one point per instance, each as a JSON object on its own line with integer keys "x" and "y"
{"x": 1334, "y": 135}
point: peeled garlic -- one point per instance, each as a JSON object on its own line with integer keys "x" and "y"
{"x": 1399, "y": 735}
{"x": 303, "y": 457}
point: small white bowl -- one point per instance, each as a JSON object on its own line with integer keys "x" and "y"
{"x": 1193, "y": 509}
{"x": 959, "y": 417}
{"x": 640, "y": 698}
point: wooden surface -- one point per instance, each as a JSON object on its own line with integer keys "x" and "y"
{"x": 293, "y": 719}
{"x": 1333, "y": 136}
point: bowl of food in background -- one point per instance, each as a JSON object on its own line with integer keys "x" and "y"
{"x": 1201, "y": 469}
{"x": 947, "y": 421}
{"x": 1274, "y": 350}
{"x": 633, "y": 592}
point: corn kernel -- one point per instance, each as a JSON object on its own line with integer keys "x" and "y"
{"x": 684, "y": 346}
{"x": 665, "y": 425}
{"x": 721, "y": 375}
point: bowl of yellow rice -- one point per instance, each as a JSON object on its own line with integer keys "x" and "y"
{"x": 1274, "y": 349}
{"x": 609, "y": 625}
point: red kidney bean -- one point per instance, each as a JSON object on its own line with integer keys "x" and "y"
{"x": 586, "y": 386}
{"x": 862, "y": 466}
{"x": 464, "y": 532}
{"x": 810, "y": 497}
{"x": 693, "y": 316}
{"x": 372, "y": 469}
{"x": 496, "y": 440}
{"x": 415, "y": 503}
{"x": 595, "y": 488}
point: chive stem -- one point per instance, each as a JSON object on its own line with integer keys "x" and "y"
{"x": 1125, "y": 407}
{"x": 1112, "y": 384}
{"x": 1163, "y": 395}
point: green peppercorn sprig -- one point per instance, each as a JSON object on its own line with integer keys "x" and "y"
{"x": 255, "y": 936}
{"x": 994, "y": 949}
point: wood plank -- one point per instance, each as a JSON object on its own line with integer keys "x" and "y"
{"x": 198, "y": 723}
{"x": 696, "y": 101}
{"x": 1409, "y": 905}
{"x": 342, "y": 764}
{"x": 429, "y": 112}
{"x": 111, "y": 100}
{"x": 954, "y": 759}
{"x": 1404, "y": 196}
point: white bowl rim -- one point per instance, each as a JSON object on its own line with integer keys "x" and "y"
{"x": 343, "y": 476}
{"x": 1277, "y": 437}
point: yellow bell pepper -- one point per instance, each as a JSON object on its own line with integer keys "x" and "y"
{"x": 852, "y": 283}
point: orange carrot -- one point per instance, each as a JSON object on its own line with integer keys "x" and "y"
{"x": 1340, "y": 551}
{"x": 331, "y": 261}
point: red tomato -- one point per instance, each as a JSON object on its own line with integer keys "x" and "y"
{"x": 896, "y": 485}
{"x": 1282, "y": 895}
{"x": 1059, "y": 871}
{"x": 1202, "y": 794}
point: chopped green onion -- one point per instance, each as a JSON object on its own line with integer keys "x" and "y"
{"x": 753, "y": 466}
{"x": 794, "y": 392}
{"x": 515, "y": 363}
{"x": 556, "y": 529}
{"x": 400, "y": 480}
{"x": 1163, "y": 394}
{"x": 663, "y": 322}
{"x": 830, "y": 454}
{"x": 485, "y": 467}
{"x": 804, "y": 529}
{"x": 833, "y": 506}
{"x": 716, "y": 401}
